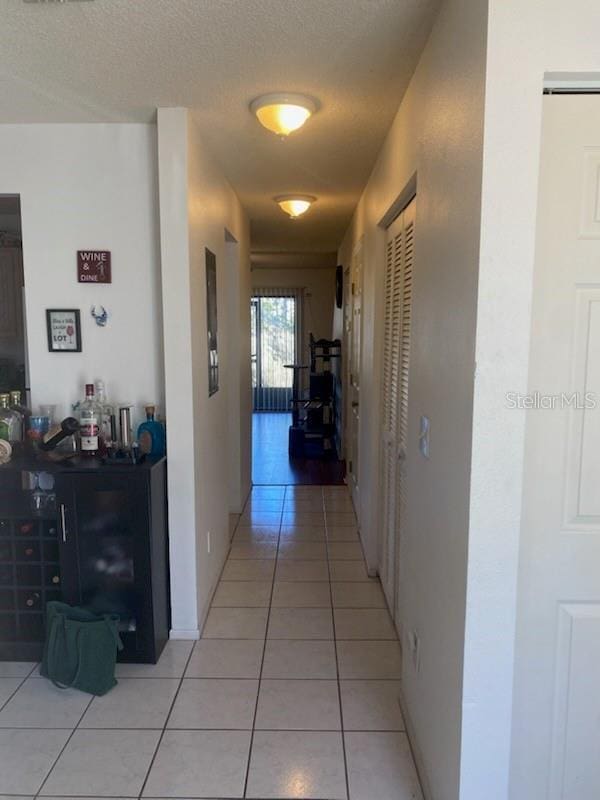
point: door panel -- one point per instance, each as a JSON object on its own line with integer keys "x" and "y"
{"x": 354, "y": 357}
{"x": 557, "y": 678}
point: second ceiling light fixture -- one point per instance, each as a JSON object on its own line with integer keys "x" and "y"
{"x": 283, "y": 113}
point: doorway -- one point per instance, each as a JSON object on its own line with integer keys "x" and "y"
{"x": 274, "y": 337}
{"x": 13, "y": 350}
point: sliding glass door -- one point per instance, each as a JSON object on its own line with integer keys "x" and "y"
{"x": 274, "y": 319}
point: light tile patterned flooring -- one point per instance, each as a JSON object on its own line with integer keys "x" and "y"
{"x": 292, "y": 692}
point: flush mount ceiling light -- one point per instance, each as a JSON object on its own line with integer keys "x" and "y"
{"x": 283, "y": 113}
{"x": 295, "y": 204}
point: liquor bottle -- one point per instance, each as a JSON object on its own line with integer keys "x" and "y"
{"x": 107, "y": 423}
{"x": 151, "y": 435}
{"x": 16, "y": 404}
{"x": 10, "y": 421}
{"x": 89, "y": 420}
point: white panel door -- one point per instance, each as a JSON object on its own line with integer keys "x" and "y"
{"x": 394, "y": 397}
{"x": 556, "y": 742}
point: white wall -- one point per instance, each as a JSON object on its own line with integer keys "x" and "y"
{"x": 89, "y": 187}
{"x": 437, "y": 134}
{"x": 525, "y": 40}
{"x": 319, "y": 297}
{"x": 197, "y": 207}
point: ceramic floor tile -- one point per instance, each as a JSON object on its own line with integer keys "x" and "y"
{"x": 293, "y": 570}
{"x": 200, "y": 764}
{"x": 273, "y": 505}
{"x": 357, "y": 595}
{"x": 304, "y": 492}
{"x": 244, "y": 534}
{"x": 303, "y": 518}
{"x": 243, "y": 594}
{"x": 298, "y": 705}
{"x": 294, "y": 764}
{"x": 299, "y": 659}
{"x": 345, "y": 551}
{"x": 380, "y": 765}
{"x": 39, "y": 704}
{"x": 363, "y": 623}
{"x": 26, "y": 757}
{"x": 226, "y": 658}
{"x": 268, "y": 492}
{"x": 367, "y": 660}
{"x": 297, "y": 594}
{"x": 300, "y": 623}
{"x": 344, "y": 533}
{"x": 340, "y": 518}
{"x": 133, "y": 703}
{"x": 343, "y": 504}
{"x": 248, "y": 570}
{"x": 371, "y": 706}
{"x": 235, "y": 623}
{"x": 260, "y": 518}
{"x": 8, "y": 687}
{"x": 294, "y": 504}
{"x": 214, "y": 704}
{"x": 103, "y": 764}
{"x": 253, "y": 550}
{"x": 16, "y": 669}
{"x": 303, "y": 551}
{"x": 349, "y": 571}
{"x": 302, "y": 533}
{"x": 171, "y": 664}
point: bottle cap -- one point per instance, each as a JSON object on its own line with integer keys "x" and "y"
{"x": 150, "y": 409}
{"x": 89, "y": 389}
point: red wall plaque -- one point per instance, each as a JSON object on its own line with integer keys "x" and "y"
{"x": 93, "y": 266}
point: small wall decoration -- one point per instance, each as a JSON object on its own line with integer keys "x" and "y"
{"x": 93, "y": 266}
{"x": 100, "y": 314}
{"x": 211, "y": 321}
{"x": 64, "y": 330}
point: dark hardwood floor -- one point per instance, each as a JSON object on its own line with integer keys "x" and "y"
{"x": 271, "y": 463}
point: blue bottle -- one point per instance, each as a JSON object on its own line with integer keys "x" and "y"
{"x": 151, "y": 436}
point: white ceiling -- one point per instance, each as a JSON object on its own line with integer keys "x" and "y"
{"x": 117, "y": 60}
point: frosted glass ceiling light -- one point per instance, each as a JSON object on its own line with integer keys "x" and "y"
{"x": 283, "y": 113}
{"x": 295, "y": 204}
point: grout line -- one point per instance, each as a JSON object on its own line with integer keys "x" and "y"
{"x": 262, "y": 661}
{"x": 167, "y": 718}
{"x": 337, "y": 667}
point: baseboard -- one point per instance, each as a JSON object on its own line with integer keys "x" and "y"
{"x": 414, "y": 746}
{"x": 178, "y": 633}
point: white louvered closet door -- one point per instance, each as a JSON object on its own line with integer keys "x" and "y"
{"x": 395, "y": 384}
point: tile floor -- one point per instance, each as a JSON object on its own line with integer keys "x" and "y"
{"x": 292, "y": 692}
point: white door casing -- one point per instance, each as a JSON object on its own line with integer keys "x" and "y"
{"x": 354, "y": 339}
{"x": 394, "y": 397}
{"x": 556, "y": 714}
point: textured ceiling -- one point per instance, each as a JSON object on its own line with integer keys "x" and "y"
{"x": 117, "y": 60}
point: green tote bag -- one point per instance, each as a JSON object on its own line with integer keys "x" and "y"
{"x": 80, "y": 650}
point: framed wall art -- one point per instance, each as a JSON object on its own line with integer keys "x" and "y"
{"x": 64, "y": 330}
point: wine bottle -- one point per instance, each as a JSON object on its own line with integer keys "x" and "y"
{"x": 89, "y": 421}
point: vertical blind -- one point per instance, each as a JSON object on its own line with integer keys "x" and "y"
{"x": 276, "y": 336}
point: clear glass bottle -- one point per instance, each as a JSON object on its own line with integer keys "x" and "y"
{"x": 18, "y": 408}
{"x": 11, "y": 423}
{"x": 107, "y": 421}
{"x": 90, "y": 417}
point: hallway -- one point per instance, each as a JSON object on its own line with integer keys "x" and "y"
{"x": 271, "y": 463}
{"x": 292, "y": 692}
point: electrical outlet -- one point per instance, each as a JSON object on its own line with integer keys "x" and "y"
{"x": 208, "y": 542}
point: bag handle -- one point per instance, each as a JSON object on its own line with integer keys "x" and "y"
{"x": 52, "y": 649}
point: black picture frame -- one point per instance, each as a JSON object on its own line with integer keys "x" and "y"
{"x": 339, "y": 286}
{"x": 211, "y": 321}
{"x": 56, "y": 318}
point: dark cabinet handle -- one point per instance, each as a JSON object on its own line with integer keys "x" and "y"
{"x": 63, "y": 523}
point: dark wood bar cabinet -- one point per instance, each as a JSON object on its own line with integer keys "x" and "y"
{"x": 89, "y": 534}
